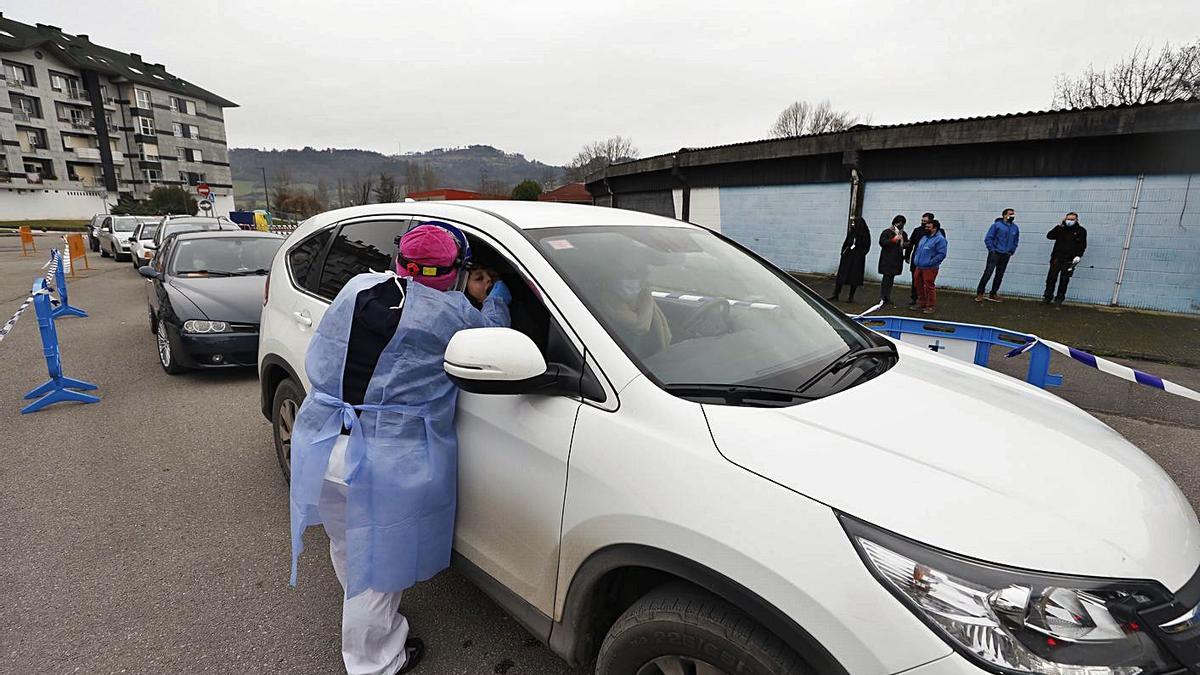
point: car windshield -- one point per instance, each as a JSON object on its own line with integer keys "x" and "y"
{"x": 124, "y": 224}
{"x": 224, "y": 256}
{"x": 690, "y": 308}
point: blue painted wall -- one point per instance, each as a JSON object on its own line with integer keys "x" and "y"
{"x": 800, "y": 228}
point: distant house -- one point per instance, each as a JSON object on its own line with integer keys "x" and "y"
{"x": 571, "y": 193}
{"x": 443, "y": 194}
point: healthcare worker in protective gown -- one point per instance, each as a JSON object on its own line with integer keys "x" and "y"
{"x": 374, "y": 450}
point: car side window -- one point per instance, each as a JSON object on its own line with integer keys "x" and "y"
{"x": 357, "y": 248}
{"x": 107, "y": 226}
{"x": 302, "y": 259}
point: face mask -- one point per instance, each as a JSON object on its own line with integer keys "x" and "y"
{"x": 1009, "y": 219}
{"x": 1070, "y": 223}
{"x": 629, "y": 288}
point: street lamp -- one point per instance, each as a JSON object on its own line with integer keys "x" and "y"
{"x": 266, "y": 190}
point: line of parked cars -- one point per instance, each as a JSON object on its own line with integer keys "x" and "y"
{"x": 205, "y": 283}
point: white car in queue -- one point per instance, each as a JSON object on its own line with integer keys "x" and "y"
{"x": 141, "y": 243}
{"x": 681, "y": 460}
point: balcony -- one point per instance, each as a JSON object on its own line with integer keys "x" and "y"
{"x": 88, "y": 153}
{"x": 83, "y": 124}
{"x": 22, "y": 116}
{"x": 77, "y": 95}
{"x": 88, "y": 181}
{"x": 18, "y": 84}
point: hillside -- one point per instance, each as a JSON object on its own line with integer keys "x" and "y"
{"x": 471, "y": 168}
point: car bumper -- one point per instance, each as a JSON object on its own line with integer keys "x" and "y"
{"x": 221, "y": 350}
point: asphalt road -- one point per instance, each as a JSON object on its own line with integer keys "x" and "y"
{"x": 148, "y": 533}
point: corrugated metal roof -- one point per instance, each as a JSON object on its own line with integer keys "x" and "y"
{"x": 954, "y": 120}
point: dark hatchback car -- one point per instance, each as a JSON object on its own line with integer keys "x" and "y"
{"x": 172, "y": 225}
{"x": 205, "y": 297}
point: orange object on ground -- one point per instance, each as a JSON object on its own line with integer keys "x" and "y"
{"x": 78, "y": 250}
{"x": 27, "y": 244}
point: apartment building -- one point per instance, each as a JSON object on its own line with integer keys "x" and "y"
{"x": 82, "y": 124}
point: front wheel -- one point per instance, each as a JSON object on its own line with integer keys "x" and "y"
{"x": 103, "y": 251}
{"x": 680, "y": 629}
{"x": 166, "y": 351}
{"x": 288, "y": 398}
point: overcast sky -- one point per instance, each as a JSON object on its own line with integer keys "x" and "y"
{"x": 543, "y": 78}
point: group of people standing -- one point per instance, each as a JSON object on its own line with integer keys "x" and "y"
{"x": 925, "y": 250}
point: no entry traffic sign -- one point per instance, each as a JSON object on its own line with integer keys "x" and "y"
{"x": 203, "y": 190}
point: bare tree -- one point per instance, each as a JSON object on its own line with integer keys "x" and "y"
{"x": 1145, "y": 76}
{"x": 322, "y": 193}
{"x": 281, "y": 186}
{"x": 343, "y": 192}
{"x": 599, "y": 154}
{"x": 801, "y": 118}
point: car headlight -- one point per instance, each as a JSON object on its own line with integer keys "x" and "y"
{"x": 1014, "y": 621}
{"x": 195, "y": 326}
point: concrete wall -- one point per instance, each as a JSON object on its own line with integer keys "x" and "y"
{"x": 797, "y": 227}
{"x": 801, "y": 227}
{"x": 49, "y": 205}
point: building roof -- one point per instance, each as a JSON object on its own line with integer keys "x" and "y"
{"x": 82, "y": 53}
{"x": 1172, "y": 116}
{"x": 451, "y": 193}
{"x": 571, "y": 192}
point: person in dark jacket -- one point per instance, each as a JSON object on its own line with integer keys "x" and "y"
{"x": 1001, "y": 242}
{"x": 927, "y": 258}
{"x": 913, "y": 242}
{"x": 853, "y": 264}
{"x": 892, "y": 244}
{"x": 1070, "y": 241}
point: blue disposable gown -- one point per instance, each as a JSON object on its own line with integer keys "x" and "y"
{"x": 402, "y": 455}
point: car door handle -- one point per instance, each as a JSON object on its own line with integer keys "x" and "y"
{"x": 302, "y": 318}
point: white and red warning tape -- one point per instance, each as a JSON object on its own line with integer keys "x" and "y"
{"x": 1106, "y": 366}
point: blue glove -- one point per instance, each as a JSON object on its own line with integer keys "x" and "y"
{"x": 500, "y": 292}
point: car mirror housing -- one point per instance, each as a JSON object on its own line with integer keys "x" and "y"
{"x": 502, "y": 361}
{"x": 148, "y": 272}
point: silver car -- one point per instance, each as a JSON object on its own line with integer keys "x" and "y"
{"x": 115, "y": 232}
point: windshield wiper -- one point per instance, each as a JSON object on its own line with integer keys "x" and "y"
{"x": 211, "y": 273}
{"x": 245, "y": 273}
{"x": 736, "y": 394}
{"x": 845, "y": 360}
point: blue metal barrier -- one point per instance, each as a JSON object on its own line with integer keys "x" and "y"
{"x": 59, "y": 388}
{"x": 984, "y": 337}
{"x": 60, "y": 283}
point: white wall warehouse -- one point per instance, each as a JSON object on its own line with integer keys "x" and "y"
{"x": 801, "y": 227}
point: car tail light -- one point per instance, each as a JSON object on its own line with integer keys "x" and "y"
{"x": 267, "y": 288}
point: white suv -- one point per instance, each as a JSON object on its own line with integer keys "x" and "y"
{"x": 680, "y": 460}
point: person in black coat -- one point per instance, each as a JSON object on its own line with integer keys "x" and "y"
{"x": 892, "y": 244}
{"x": 1070, "y": 241}
{"x": 853, "y": 264}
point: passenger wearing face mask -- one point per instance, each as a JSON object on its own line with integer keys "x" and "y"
{"x": 1070, "y": 241}
{"x": 628, "y": 304}
{"x": 1001, "y": 241}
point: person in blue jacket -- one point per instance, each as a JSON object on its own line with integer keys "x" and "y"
{"x": 927, "y": 258}
{"x": 1001, "y": 241}
{"x": 374, "y": 449}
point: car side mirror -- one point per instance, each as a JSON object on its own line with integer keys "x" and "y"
{"x": 131, "y": 239}
{"x": 502, "y": 361}
{"x": 148, "y": 272}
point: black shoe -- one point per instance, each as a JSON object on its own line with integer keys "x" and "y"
{"x": 415, "y": 649}
{"x": 1058, "y": 302}
{"x": 834, "y": 298}
{"x": 1045, "y": 301}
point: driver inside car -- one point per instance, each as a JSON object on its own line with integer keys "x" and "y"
{"x": 626, "y": 301}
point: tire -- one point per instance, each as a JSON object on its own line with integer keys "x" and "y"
{"x": 103, "y": 251}
{"x": 166, "y": 351}
{"x": 678, "y": 628}
{"x": 284, "y": 408}
{"x": 94, "y": 244}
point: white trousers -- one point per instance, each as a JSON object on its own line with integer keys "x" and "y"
{"x": 373, "y": 630}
